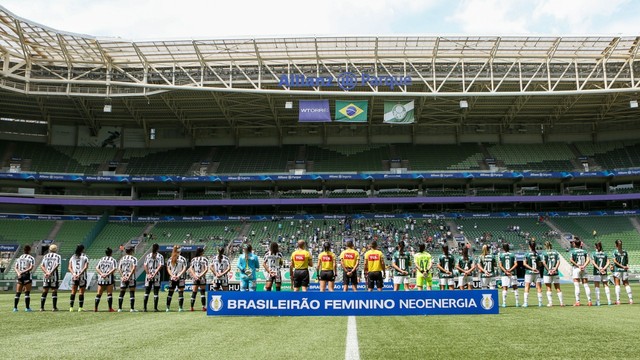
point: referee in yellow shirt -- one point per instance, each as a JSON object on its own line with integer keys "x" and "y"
{"x": 326, "y": 267}
{"x": 299, "y": 268}
{"x": 350, "y": 259}
{"x": 374, "y": 267}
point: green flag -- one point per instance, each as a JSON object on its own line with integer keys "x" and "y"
{"x": 399, "y": 112}
{"x": 351, "y": 111}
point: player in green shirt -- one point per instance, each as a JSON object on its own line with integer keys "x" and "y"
{"x": 486, "y": 264}
{"x": 465, "y": 267}
{"x": 531, "y": 262}
{"x": 579, "y": 259}
{"x": 509, "y": 279}
{"x": 422, "y": 262}
{"x": 621, "y": 271}
{"x": 601, "y": 263}
{"x": 551, "y": 263}
{"x": 445, "y": 267}
{"x": 401, "y": 264}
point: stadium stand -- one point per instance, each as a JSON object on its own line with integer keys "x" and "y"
{"x": 441, "y": 157}
{"x": 498, "y": 230}
{"x": 71, "y": 234}
{"x": 112, "y": 235}
{"x": 555, "y": 156}
{"x": 163, "y": 162}
{"x": 347, "y": 158}
{"x": 253, "y": 159}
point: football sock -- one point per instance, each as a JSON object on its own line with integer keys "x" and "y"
{"x": 110, "y": 300}
{"x": 617, "y": 292}
{"x": 608, "y": 293}
{"x": 549, "y": 297}
{"x": 81, "y": 300}
{"x": 72, "y": 299}
{"x": 169, "y": 296}
{"x": 132, "y": 299}
{"x": 560, "y": 297}
{"x": 156, "y": 290}
{"x": 597, "y": 294}
{"x": 193, "y": 298}
{"x": 16, "y": 300}
{"x": 539, "y": 298}
{"x": 587, "y": 291}
{"x": 180, "y": 298}
{"x": 203, "y": 297}
{"x": 97, "y": 300}
{"x": 43, "y": 299}
{"x": 54, "y": 299}
{"x": 576, "y": 287}
{"x": 504, "y": 296}
{"x": 517, "y": 295}
{"x": 27, "y": 299}
{"x": 121, "y": 298}
{"x": 628, "y": 288}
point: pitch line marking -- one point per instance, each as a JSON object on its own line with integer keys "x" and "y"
{"x": 352, "y": 352}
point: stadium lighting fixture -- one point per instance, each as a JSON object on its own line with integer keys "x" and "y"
{"x": 288, "y": 105}
{"x": 107, "y": 105}
{"x": 464, "y": 104}
{"x": 633, "y": 104}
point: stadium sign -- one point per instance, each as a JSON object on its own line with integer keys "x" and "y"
{"x": 449, "y": 302}
{"x": 346, "y": 81}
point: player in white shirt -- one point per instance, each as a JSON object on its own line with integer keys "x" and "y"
{"x": 51, "y": 269}
{"x": 127, "y": 268}
{"x": 220, "y": 266}
{"x": 153, "y": 263}
{"x": 24, "y": 267}
{"x": 198, "y": 271}
{"x": 106, "y": 268}
{"x": 78, "y": 268}
{"x": 176, "y": 269}
{"x": 272, "y": 264}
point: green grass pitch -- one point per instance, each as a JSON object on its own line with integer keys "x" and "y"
{"x": 532, "y": 333}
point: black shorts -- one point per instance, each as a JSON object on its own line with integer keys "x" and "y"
{"x": 300, "y": 278}
{"x": 131, "y": 284}
{"x": 24, "y": 279}
{"x": 327, "y": 275}
{"x": 50, "y": 285}
{"x": 350, "y": 279}
{"x": 375, "y": 280}
{"x": 176, "y": 284}
{"x": 221, "y": 282}
{"x": 108, "y": 281}
{"x": 200, "y": 282}
{"x": 80, "y": 282}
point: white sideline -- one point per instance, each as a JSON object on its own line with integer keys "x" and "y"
{"x": 352, "y": 352}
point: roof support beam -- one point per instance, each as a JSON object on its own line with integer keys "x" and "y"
{"x": 86, "y": 113}
{"x": 178, "y": 112}
{"x": 140, "y": 120}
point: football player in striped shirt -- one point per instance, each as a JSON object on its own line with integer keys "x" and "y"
{"x": 580, "y": 259}
{"x": 176, "y": 269}
{"x": 465, "y": 267}
{"x": 401, "y": 263}
{"x": 327, "y": 267}
{"x": 127, "y": 267}
{"x": 78, "y": 264}
{"x": 621, "y": 271}
{"x": 531, "y": 262}
{"x": 507, "y": 263}
{"x": 601, "y": 263}
{"x": 105, "y": 269}
{"x": 486, "y": 264}
{"x": 445, "y": 267}
{"x": 220, "y": 266}
{"x": 198, "y": 271}
{"x": 551, "y": 263}
{"x": 153, "y": 263}
{"x": 350, "y": 259}
{"x": 24, "y": 267}
{"x": 272, "y": 264}
{"x": 51, "y": 269}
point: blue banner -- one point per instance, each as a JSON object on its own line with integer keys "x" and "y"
{"x": 328, "y": 176}
{"x": 338, "y": 303}
{"x": 314, "y": 111}
{"x": 10, "y": 247}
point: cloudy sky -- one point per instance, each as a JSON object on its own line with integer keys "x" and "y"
{"x": 195, "y": 19}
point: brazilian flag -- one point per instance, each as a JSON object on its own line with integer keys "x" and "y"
{"x": 351, "y": 111}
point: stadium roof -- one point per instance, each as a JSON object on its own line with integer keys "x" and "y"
{"x": 244, "y": 83}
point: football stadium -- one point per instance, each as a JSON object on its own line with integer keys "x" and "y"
{"x": 173, "y": 198}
